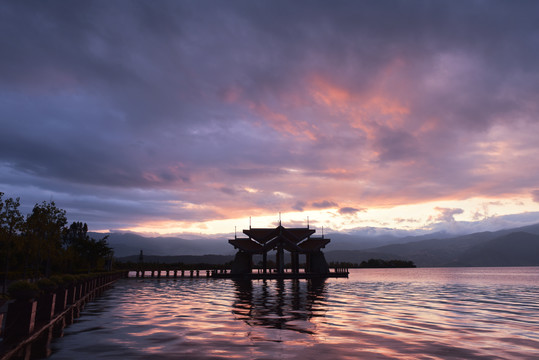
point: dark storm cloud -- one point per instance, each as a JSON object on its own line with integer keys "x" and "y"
{"x": 202, "y": 100}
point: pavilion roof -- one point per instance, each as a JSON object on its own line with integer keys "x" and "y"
{"x": 262, "y": 240}
{"x": 294, "y": 235}
{"x": 298, "y": 234}
{"x": 262, "y": 235}
{"x": 287, "y": 244}
{"x": 313, "y": 244}
{"x": 246, "y": 244}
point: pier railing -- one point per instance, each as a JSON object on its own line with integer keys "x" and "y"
{"x": 30, "y": 325}
{"x": 197, "y": 273}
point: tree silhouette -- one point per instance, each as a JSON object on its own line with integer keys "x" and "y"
{"x": 44, "y": 229}
{"x": 82, "y": 249}
{"x": 42, "y": 243}
{"x": 11, "y": 224}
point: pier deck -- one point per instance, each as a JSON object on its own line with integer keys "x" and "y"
{"x": 227, "y": 274}
{"x": 257, "y": 276}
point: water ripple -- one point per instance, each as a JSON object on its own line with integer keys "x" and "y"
{"x": 412, "y": 314}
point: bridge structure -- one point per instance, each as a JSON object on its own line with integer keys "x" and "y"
{"x": 298, "y": 242}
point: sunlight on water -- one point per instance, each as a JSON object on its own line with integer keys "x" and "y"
{"x": 469, "y": 313}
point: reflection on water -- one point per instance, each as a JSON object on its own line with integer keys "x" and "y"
{"x": 278, "y": 304}
{"x": 375, "y": 314}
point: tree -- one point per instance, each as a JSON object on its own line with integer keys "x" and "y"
{"x": 11, "y": 225}
{"x": 73, "y": 237}
{"x": 96, "y": 250}
{"x": 82, "y": 249}
{"x": 44, "y": 230}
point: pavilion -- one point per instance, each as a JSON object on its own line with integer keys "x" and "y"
{"x": 297, "y": 241}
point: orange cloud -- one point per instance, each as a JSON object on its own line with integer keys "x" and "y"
{"x": 364, "y": 111}
{"x": 284, "y": 124}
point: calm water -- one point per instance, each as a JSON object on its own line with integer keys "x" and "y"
{"x": 439, "y": 313}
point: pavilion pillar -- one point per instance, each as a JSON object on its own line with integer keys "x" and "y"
{"x": 280, "y": 259}
{"x": 243, "y": 263}
{"x": 295, "y": 262}
{"x": 265, "y": 261}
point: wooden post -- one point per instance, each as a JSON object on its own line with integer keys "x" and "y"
{"x": 41, "y": 347}
{"x": 61, "y": 300}
{"x": 78, "y": 291}
{"x": 45, "y": 307}
{"x": 71, "y": 294}
{"x": 69, "y": 316}
{"x": 58, "y": 328}
{"x": 20, "y": 320}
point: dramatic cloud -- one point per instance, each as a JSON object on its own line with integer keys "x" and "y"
{"x": 447, "y": 215}
{"x": 132, "y": 112}
{"x": 349, "y": 211}
{"x": 324, "y": 204}
{"x": 299, "y": 206}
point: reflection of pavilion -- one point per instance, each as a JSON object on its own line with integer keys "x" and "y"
{"x": 280, "y": 303}
{"x": 297, "y": 241}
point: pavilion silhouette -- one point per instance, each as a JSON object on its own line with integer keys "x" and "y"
{"x": 297, "y": 241}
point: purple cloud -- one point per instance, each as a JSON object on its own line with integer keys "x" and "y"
{"x": 214, "y": 108}
{"x": 349, "y": 211}
{"x": 447, "y": 214}
{"x": 299, "y": 206}
{"x": 324, "y": 204}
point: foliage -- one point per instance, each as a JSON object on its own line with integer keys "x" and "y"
{"x": 23, "y": 290}
{"x": 59, "y": 281}
{"x": 44, "y": 229}
{"x": 42, "y": 243}
{"x": 379, "y": 263}
{"x": 68, "y": 280}
{"x": 343, "y": 264}
{"x": 83, "y": 250}
{"x": 11, "y": 225}
{"x": 47, "y": 285}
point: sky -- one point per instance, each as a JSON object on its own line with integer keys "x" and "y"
{"x": 171, "y": 117}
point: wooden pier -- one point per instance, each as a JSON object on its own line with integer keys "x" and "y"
{"x": 61, "y": 313}
{"x": 227, "y": 274}
{"x": 260, "y": 241}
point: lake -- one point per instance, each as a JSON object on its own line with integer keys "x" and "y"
{"x": 425, "y": 313}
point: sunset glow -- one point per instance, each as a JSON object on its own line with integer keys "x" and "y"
{"x": 191, "y": 117}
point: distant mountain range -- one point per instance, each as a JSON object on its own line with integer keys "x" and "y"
{"x": 126, "y": 244}
{"x": 509, "y": 247}
{"x": 513, "y": 247}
